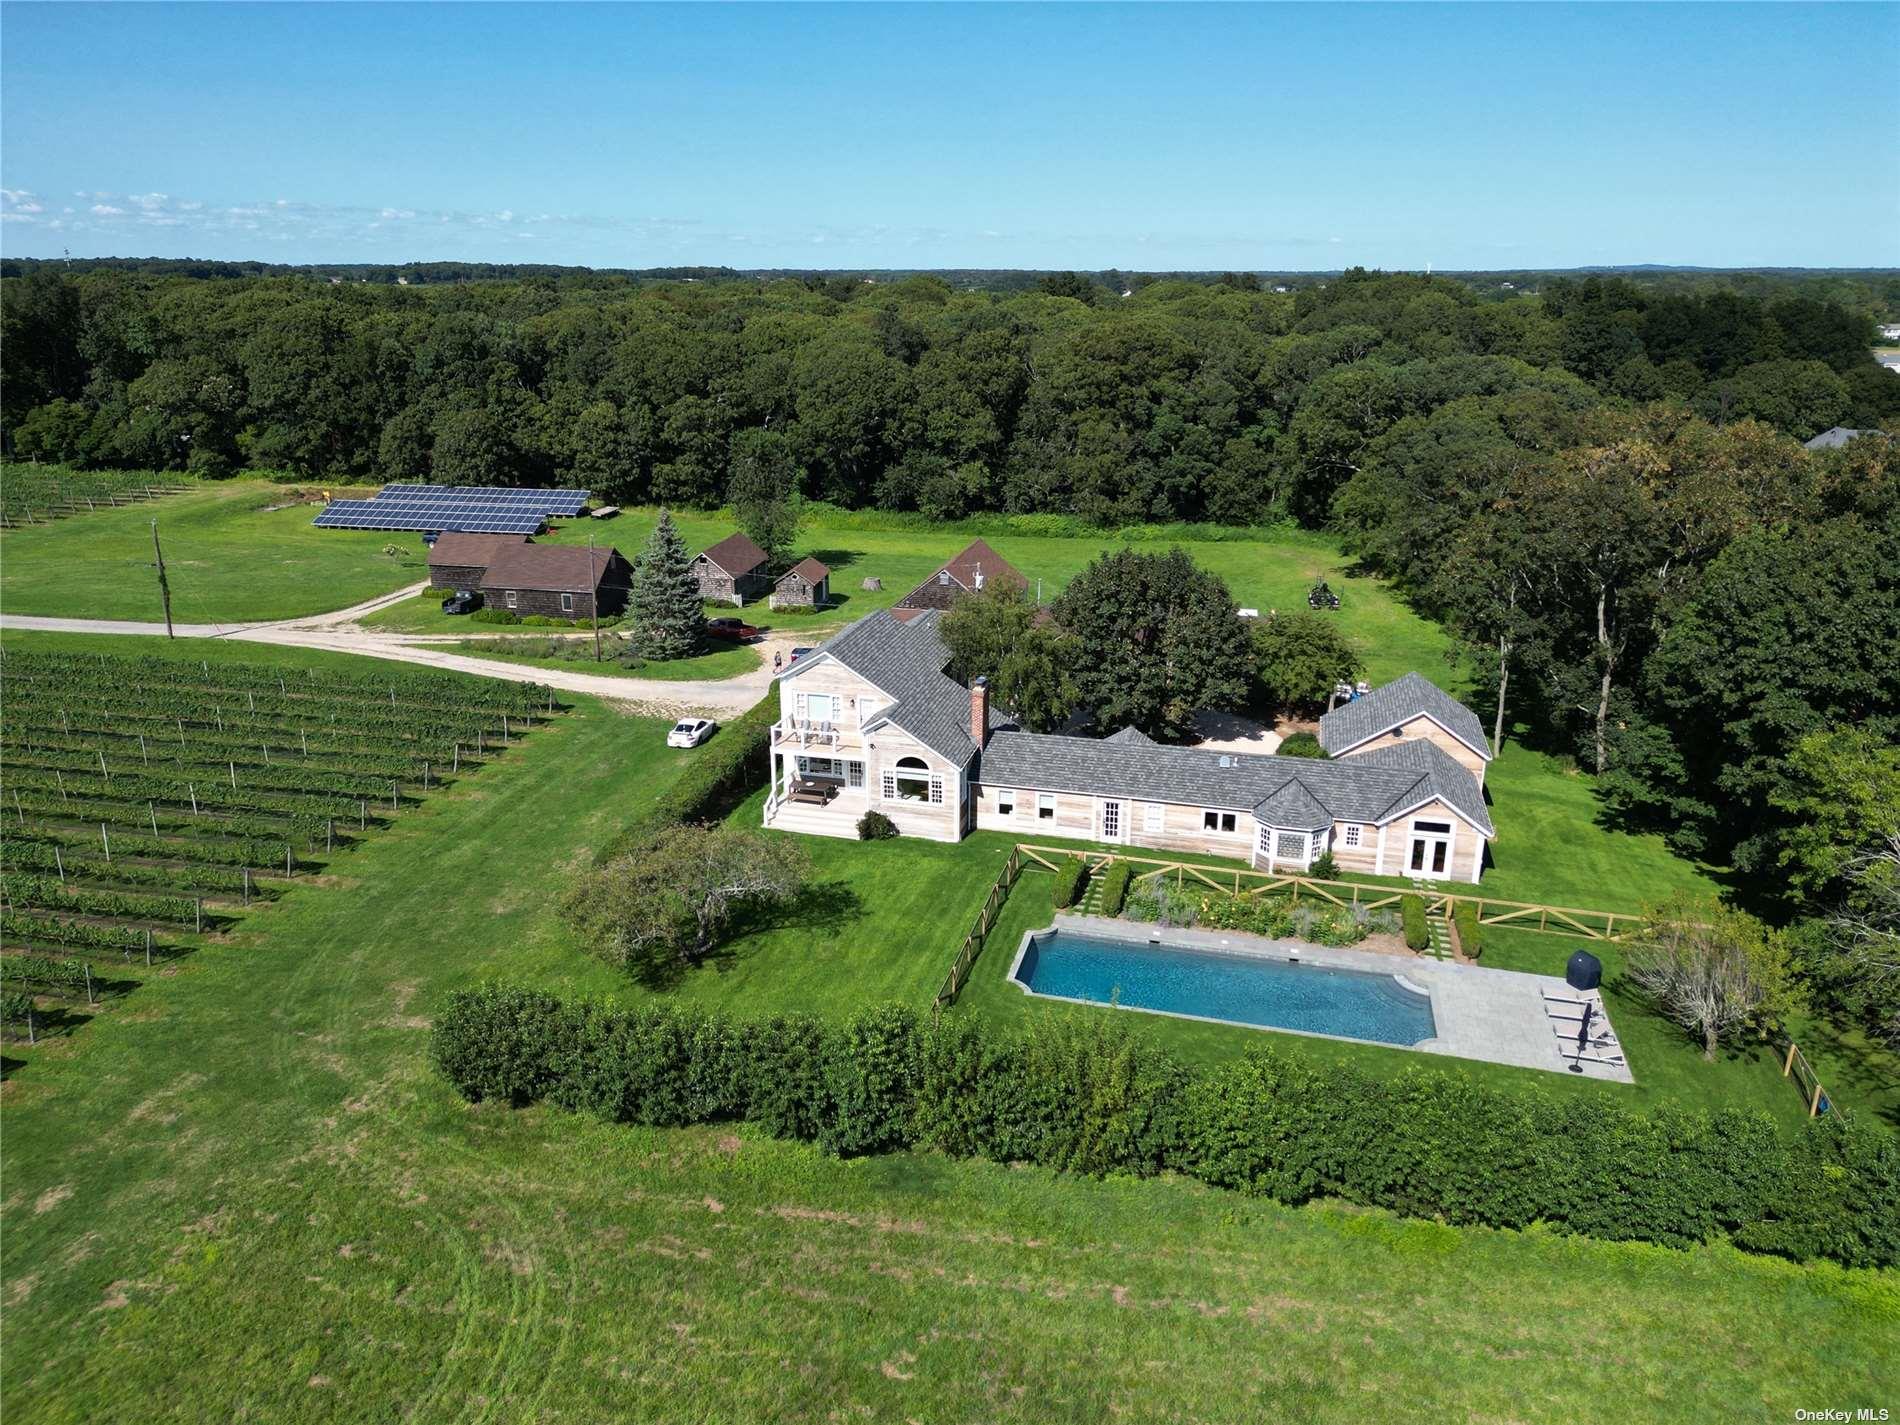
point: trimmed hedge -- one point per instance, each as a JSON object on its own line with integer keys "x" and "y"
{"x": 1115, "y": 887}
{"x": 1412, "y": 915}
{"x": 1071, "y": 876}
{"x": 1464, "y": 918}
{"x": 721, "y": 771}
{"x": 1083, "y": 1095}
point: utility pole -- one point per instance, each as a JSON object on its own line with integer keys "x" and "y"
{"x": 593, "y": 599}
{"x": 164, "y": 589}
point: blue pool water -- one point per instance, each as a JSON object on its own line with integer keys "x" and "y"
{"x": 1242, "y": 989}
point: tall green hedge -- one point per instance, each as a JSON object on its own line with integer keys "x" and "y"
{"x": 1071, "y": 876}
{"x": 1412, "y": 912}
{"x": 1115, "y": 886}
{"x": 1085, "y": 1096}
{"x": 1470, "y": 938}
{"x": 722, "y": 770}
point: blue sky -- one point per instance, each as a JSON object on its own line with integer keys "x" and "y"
{"x": 1144, "y": 137}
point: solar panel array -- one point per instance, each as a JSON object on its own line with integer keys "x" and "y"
{"x": 468, "y": 509}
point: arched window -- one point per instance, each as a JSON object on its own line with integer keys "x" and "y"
{"x": 913, "y": 779}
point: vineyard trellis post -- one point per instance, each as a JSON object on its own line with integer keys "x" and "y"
{"x": 304, "y": 733}
{"x": 198, "y": 914}
{"x": 329, "y": 833}
{"x": 108, "y": 841}
{"x": 90, "y": 1001}
{"x": 425, "y": 774}
{"x": 59, "y": 862}
{"x": 504, "y": 730}
{"x": 152, "y": 807}
{"x": 57, "y": 777}
{"x": 165, "y": 588}
{"x": 18, "y": 810}
{"x": 233, "y": 766}
{"x": 392, "y": 794}
{"x": 288, "y": 873}
{"x": 145, "y": 760}
{"x": 362, "y": 815}
{"x": 192, "y": 787}
{"x": 148, "y": 948}
{"x": 247, "y": 884}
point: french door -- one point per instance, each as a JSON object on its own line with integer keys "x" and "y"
{"x": 1431, "y": 849}
{"x": 1111, "y": 829}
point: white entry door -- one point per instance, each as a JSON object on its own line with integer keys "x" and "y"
{"x": 1430, "y": 857}
{"x": 1111, "y": 821}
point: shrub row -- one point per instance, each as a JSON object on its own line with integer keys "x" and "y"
{"x": 733, "y": 762}
{"x": 46, "y": 929}
{"x": 1278, "y": 916}
{"x": 1083, "y": 1095}
{"x": 1115, "y": 887}
{"x": 47, "y": 893}
{"x": 62, "y": 976}
{"x": 1464, "y": 918}
{"x": 1071, "y": 876}
{"x": 1412, "y": 912}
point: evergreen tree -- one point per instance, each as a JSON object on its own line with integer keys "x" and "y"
{"x": 668, "y": 621}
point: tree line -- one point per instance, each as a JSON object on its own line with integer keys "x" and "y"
{"x": 1180, "y": 401}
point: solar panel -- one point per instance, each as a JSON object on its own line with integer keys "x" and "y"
{"x": 441, "y": 515}
{"x": 548, "y": 502}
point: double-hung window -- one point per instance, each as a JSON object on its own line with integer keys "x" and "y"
{"x": 1221, "y": 821}
{"x": 1154, "y": 818}
{"x": 1006, "y": 802}
{"x": 1046, "y": 806}
{"x": 513, "y": 597}
{"x": 567, "y": 603}
{"x": 1351, "y": 836}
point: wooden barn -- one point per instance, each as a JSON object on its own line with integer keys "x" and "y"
{"x": 732, "y": 571}
{"x": 557, "y": 581}
{"x": 806, "y": 585}
{"x": 458, "y": 561}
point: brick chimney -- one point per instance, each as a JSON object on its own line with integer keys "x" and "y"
{"x": 979, "y": 710}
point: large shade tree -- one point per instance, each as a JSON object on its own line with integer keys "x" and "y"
{"x": 1157, "y": 638}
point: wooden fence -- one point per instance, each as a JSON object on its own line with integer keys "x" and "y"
{"x": 1604, "y": 925}
{"x": 1797, "y": 1067}
{"x": 973, "y": 942}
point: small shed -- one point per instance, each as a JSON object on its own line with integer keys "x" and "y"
{"x": 732, "y": 571}
{"x": 806, "y": 585}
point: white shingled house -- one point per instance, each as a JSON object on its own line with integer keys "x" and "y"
{"x": 872, "y": 720}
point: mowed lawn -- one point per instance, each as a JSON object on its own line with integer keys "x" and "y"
{"x": 244, "y": 1194}
{"x": 230, "y": 558}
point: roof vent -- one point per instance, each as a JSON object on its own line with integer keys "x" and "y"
{"x": 1225, "y": 760}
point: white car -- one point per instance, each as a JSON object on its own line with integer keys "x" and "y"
{"x": 691, "y": 731}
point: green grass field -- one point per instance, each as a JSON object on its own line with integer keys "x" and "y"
{"x": 231, "y": 558}
{"x": 715, "y": 663}
{"x": 244, "y": 1195}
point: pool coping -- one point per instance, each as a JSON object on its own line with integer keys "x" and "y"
{"x": 1493, "y": 1016}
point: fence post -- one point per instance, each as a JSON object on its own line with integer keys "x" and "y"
{"x": 108, "y": 841}
{"x": 90, "y": 1001}
{"x": 329, "y": 833}
{"x": 60, "y": 862}
{"x": 1787, "y": 1065}
{"x": 455, "y": 764}
{"x": 147, "y": 761}
{"x": 247, "y": 885}
{"x": 152, "y": 807}
{"x": 233, "y": 766}
{"x": 362, "y": 815}
{"x": 287, "y": 871}
{"x": 192, "y": 787}
{"x": 304, "y": 733}
{"x": 148, "y": 949}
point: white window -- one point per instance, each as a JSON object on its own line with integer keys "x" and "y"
{"x": 511, "y": 598}
{"x": 1111, "y": 821}
{"x": 1046, "y": 807}
{"x": 943, "y": 576}
{"x": 890, "y": 786}
{"x": 914, "y": 782}
{"x": 1290, "y": 846}
{"x": 1006, "y": 802}
{"x": 1433, "y": 828}
{"x": 854, "y": 774}
{"x": 1222, "y": 821}
{"x": 819, "y": 707}
{"x": 567, "y": 603}
{"x": 1154, "y": 817}
{"x": 1352, "y": 836}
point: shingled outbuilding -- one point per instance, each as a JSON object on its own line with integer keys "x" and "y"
{"x": 732, "y": 571}
{"x": 557, "y": 581}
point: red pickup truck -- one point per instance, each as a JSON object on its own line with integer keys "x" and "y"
{"x": 736, "y": 629}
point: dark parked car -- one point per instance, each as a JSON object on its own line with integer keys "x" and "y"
{"x": 734, "y": 628}
{"x": 798, "y": 653}
{"x": 462, "y": 601}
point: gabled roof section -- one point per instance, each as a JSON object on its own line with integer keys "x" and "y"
{"x": 810, "y": 570}
{"x": 1440, "y": 776}
{"x": 1298, "y": 793}
{"x": 1836, "y": 437}
{"x": 905, "y": 661}
{"x": 557, "y": 568}
{"x": 1131, "y": 734}
{"x": 1394, "y": 705}
{"x": 736, "y": 554}
{"x": 976, "y": 567}
{"x": 470, "y": 550}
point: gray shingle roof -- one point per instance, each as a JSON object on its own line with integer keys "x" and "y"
{"x": 1370, "y": 788}
{"x": 1395, "y": 704}
{"x": 1131, "y": 734}
{"x": 906, "y": 660}
{"x": 1836, "y": 437}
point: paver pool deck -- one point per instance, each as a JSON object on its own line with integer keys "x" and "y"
{"x": 1498, "y": 1016}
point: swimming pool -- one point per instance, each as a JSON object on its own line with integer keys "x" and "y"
{"x": 1233, "y": 988}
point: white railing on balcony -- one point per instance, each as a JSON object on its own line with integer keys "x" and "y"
{"x": 803, "y": 732}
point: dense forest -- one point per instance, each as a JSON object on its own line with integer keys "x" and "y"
{"x": 1599, "y": 487}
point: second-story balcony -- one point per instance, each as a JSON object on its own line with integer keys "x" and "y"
{"x": 814, "y": 734}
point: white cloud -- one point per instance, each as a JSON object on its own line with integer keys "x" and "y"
{"x": 106, "y": 210}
